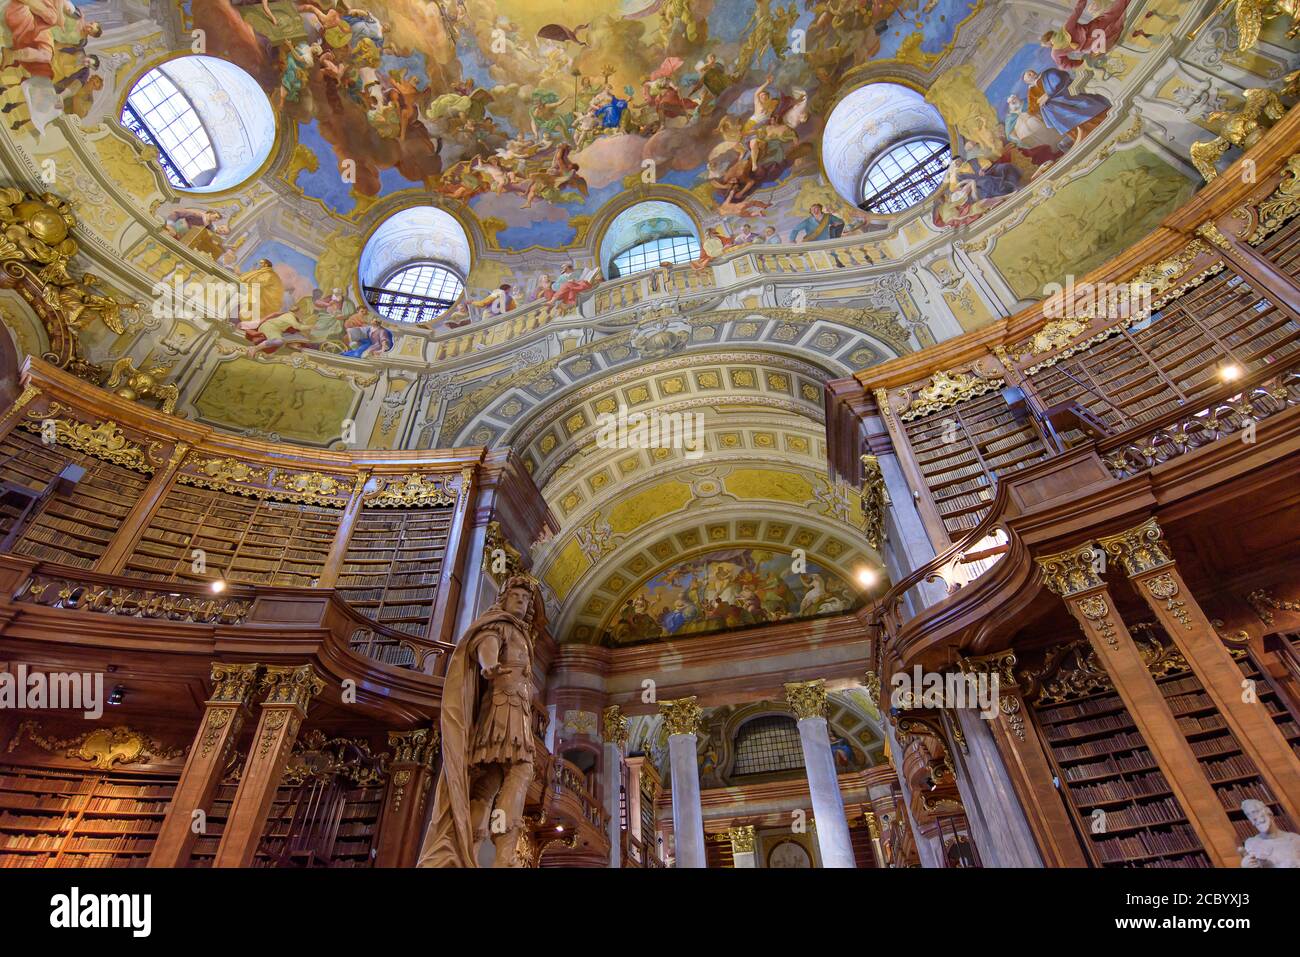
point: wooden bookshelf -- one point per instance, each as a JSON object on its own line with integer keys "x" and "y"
{"x": 252, "y": 541}
{"x": 1283, "y": 248}
{"x": 1173, "y": 359}
{"x": 350, "y": 842}
{"x": 52, "y": 817}
{"x": 961, "y": 452}
{"x": 391, "y": 567}
{"x": 73, "y": 525}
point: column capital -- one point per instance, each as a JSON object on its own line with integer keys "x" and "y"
{"x": 419, "y": 746}
{"x": 682, "y": 715}
{"x": 1000, "y": 663}
{"x": 873, "y": 825}
{"x": 234, "y": 684}
{"x": 289, "y": 684}
{"x": 1073, "y": 571}
{"x": 742, "y": 839}
{"x": 614, "y": 725}
{"x": 1139, "y": 549}
{"x": 1210, "y": 232}
{"x": 807, "y": 699}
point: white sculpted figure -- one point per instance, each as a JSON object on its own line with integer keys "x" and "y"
{"x": 1272, "y": 846}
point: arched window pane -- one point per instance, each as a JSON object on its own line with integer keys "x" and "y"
{"x": 905, "y": 174}
{"x": 648, "y": 255}
{"x": 160, "y": 115}
{"x": 419, "y": 292}
{"x": 766, "y": 745}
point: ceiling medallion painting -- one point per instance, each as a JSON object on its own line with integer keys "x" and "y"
{"x": 536, "y": 113}
{"x": 727, "y": 589}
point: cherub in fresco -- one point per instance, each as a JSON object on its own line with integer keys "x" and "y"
{"x": 767, "y": 29}
{"x": 661, "y": 92}
{"x": 1076, "y": 43}
{"x": 562, "y": 174}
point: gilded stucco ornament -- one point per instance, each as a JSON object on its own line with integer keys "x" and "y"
{"x": 132, "y": 383}
{"x": 36, "y": 249}
{"x": 104, "y": 441}
{"x": 1250, "y": 17}
{"x": 742, "y": 839}
{"x": 1138, "y": 549}
{"x": 875, "y": 501}
{"x": 1243, "y": 129}
{"x": 417, "y": 490}
{"x": 946, "y": 389}
{"x": 681, "y": 716}
{"x": 807, "y": 699}
{"x": 1072, "y": 571}
{"x": 614, "y": 726}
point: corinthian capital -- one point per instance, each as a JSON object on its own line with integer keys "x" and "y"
{"x": 233, "y": 684}
{"x": 1073, "y": 571}
{"x": 614, "y": 725}
{"x": 681, "y": 716}
{"x": 1139, "y": 549}
{"x": 807, "y": 699}
{"x": 286, "y": 684}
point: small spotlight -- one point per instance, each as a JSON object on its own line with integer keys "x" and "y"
{"x": 117, "y": 694}
{"x": 1230, "y": 372}
{"x": 219, "y": 585}
{"x": 560, "y": 828}
{"x": 866, "y": 577}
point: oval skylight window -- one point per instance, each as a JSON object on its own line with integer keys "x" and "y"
{"x": 414, "y": 265}
{"x": 647, "y": 234}
{"x": 211, "y": 123}
{"x": 885, "y": 148}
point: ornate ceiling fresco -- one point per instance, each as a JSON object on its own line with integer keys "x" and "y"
{"x": 525, "y": 132}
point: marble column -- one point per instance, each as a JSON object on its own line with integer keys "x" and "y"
{"x": 682, "y": 719}
{"x": 873, "y": 828}
{"x": 742, "y": 845}
{"x": 615, "y": 732}
{"x": 808, "y": 701}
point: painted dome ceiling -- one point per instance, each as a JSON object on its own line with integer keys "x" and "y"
{"x": 525, "y": 145}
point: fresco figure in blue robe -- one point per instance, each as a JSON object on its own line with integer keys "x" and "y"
{"x": 1071, "y": 114}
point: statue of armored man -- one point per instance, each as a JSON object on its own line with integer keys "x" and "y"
{"x": 487, "y": 733}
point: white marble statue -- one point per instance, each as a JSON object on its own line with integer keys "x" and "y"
{"x": 1272, "y": 846}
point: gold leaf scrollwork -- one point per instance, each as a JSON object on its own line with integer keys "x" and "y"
{"x": 417, "y": 490}
{"x": 946, "y": 389}
{"x": 875, "y": 501}
{"x": 104, "y": 441}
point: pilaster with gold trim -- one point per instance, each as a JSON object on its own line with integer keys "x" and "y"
{"x": 1280, "y": 288}
{"x": 289, "y": 691}
{"x": 227, "y": 708}
{"x": 1145, "y": 557}
{"x": 142, "y": 512}
{"x": 743, "y": 841}
{"x": 1073, "y": 575}
{"x": 329, "y": 575}
{"x": 410, "y": 776}
{"x": 1027, "y": 765}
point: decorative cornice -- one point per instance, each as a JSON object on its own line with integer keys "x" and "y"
{"x": 102, "y": 747}
{"x": 807, "y": 699}
{"x": 1073, "y": 571}
{"x": 1139, "y": 549}
{"x": 682, "y": 715}
{"x": 1273, "y": 212}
